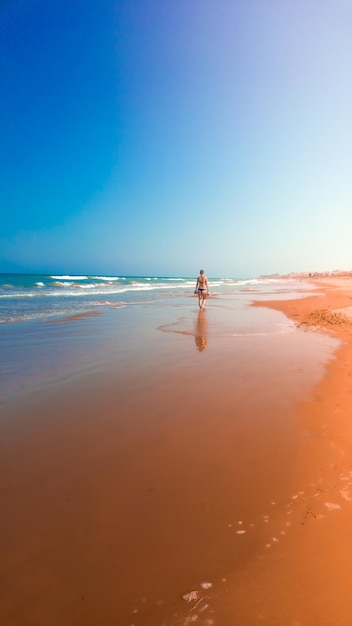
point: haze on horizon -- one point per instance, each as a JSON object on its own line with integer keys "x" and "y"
{"x": 157, "y": 137}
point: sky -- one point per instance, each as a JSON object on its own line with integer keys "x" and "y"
{"x": 154, "y": 137}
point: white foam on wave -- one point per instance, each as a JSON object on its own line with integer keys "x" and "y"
{"x": 82, "y": 287}
{"x": 67, "y": 289}
{"x": 69, "y": 277}
{"x": 249, "y": 281}
{"x": 19, "y": 294}
{"x": 88, "y": 286}
{"x": 40, "y": 284}
{"x": 41, "y": 315}
{"x": 118, "y": 303}
{"x": 112, "y": 278}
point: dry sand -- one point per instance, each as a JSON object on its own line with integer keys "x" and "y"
{"x": 309, "y": 582}
{"x": 106, "y": 523}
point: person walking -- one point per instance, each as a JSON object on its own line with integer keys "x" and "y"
{"x": 202, "y": 289}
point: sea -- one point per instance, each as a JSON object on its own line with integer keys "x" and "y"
{"x": 53, "y": 325}
{"x": 43, "y": 297}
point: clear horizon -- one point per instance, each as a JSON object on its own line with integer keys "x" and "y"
{"x": 72, "y": 276}
{"x": 157, "y": 138}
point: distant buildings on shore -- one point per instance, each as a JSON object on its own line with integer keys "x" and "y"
{"x": 333, "y": 273}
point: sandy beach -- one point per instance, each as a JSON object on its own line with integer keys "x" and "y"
{"x": 123, "y": 492}
{"x": 308, "y": 582}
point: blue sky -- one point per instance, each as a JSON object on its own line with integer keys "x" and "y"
{"x": 156, "y": 137}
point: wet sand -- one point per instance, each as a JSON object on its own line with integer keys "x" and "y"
{"x": 120, "y": 495}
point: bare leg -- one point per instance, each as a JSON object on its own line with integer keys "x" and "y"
{"x": 202, "y": 296}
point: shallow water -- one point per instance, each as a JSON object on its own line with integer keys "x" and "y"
{"x": 60, "y": 341}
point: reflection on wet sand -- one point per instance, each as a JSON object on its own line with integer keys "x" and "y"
{"x": 201, "y": 331}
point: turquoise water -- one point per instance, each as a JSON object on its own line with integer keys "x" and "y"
{"x": 28, "y": 297}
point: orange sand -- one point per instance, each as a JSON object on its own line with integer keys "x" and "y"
{"x": 107, "y": 522}
{"x": 309, "y": 582}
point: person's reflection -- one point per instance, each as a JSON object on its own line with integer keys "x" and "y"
{"x": 201, "y": 331}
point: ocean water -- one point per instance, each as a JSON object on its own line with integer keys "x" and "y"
{"x": 29, "y": 297}
{"x": 26, "y": 297}
{"x": 53, "y": 326}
